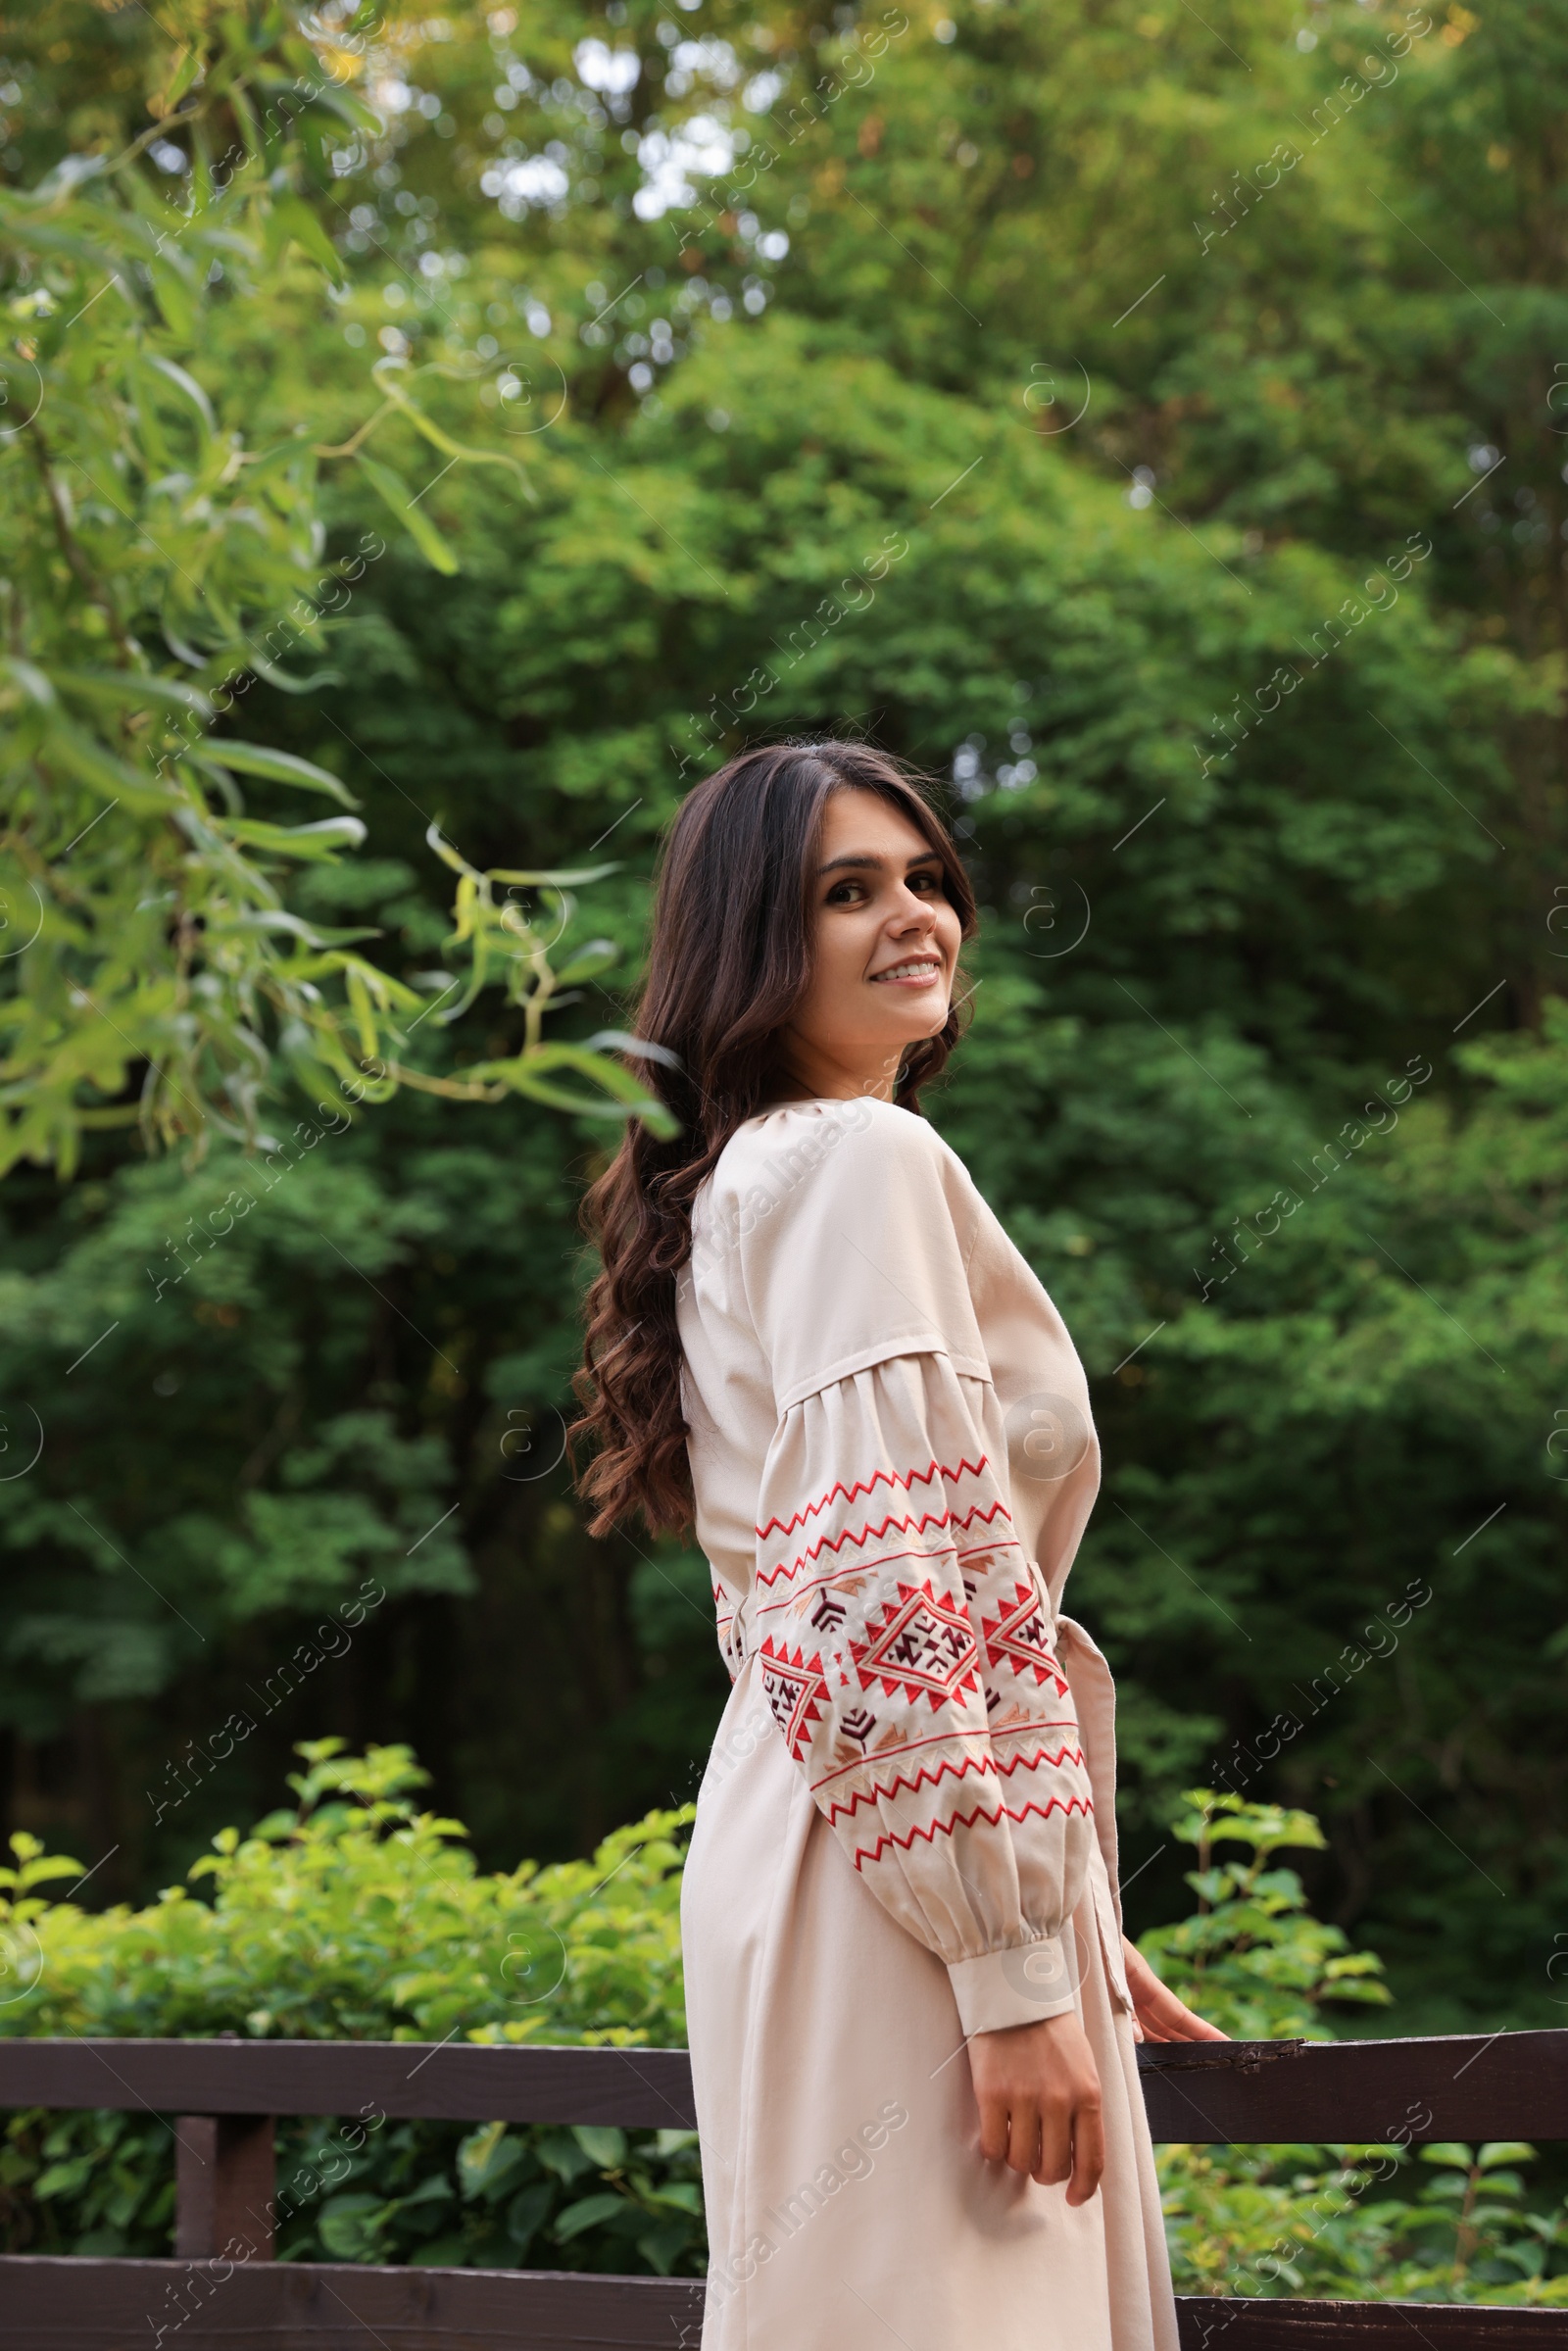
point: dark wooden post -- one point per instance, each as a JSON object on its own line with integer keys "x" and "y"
{"x": 223, "y": 2187}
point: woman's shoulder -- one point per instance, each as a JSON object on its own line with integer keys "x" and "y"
{"x": 843, "y": 1231}
{"x": 799, "y": 1142}
{"x": 811, "y": 1175}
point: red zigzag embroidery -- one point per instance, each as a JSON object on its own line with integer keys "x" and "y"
{"x": 880, "y": 1476}
{"x": 979, "y": 1766}
{"x": 905, "y": 1526}
{"x": 966, "y": 1820}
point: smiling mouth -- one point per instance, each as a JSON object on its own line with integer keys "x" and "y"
{"x": 914, "y": 971}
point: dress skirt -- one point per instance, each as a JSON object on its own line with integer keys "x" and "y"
{"x": 848, "y": 2203}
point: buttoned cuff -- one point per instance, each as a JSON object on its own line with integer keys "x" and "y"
{"x": 1016, "y": 1987}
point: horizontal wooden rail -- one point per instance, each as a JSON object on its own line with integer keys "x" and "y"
{"x": 457, "y": 2083}
{"x": 83, "y": 2304}
{"x": 1497, "y": 2085}
{"x": 1469, "y": 2086}
{"x": 221, "y": 2096}
{"x": 1209, "y": 2323}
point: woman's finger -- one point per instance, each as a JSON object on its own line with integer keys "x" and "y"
{"x": 1088, "y": 2154}
{"x": 1055, "y": 2160}
{"x": 1023, "y": 2146}
{"x": 1166, "y": 2018}
{"x": 994, "y": 2127}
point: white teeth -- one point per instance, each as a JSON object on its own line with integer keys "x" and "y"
{"x": 900, "y": 971}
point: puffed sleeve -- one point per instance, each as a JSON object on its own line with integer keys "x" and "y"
{"x": 902, "y": 1636}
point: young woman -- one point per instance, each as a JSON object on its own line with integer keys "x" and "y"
{"x": 912, "y": 2009}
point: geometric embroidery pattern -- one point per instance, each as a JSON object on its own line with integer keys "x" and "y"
{"x": 1018, "y": 1635}
{"x": 731, "y": 1646}
{"x": 888, "y": 1784}
{"x": 944, "y": 1521}
{"x": 922, "y": 1642}
{"x": 909, "y": 1670}
{"x": 796, "y": 1691}
{"x": 992, "y": 1815}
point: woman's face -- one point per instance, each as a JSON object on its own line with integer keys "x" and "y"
{"x": 884, "y": 948}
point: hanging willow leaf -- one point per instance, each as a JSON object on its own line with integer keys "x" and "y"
{"x": 386, "y": 372}
{"x": 321, "y": 841}
{"x": 135, "y": 690}
{"x": 421, "y": 529}
{"x": 282, "y": 766}
{"x": 186, "y": 383}
{"x": 289, "y": 218}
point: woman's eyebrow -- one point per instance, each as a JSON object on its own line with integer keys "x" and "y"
{"x": 927, "y": 857}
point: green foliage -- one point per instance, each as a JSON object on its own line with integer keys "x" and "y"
{"x": 1267, "y": 1069}
{"x": 86, "y": 2184}
{"x": 162, "y": 554}
{"x": 1253, "y": 1960}
{"x": 352, "y": 1915}
{"x": 355, "y": 1917}
{"x": 497, "y": 2198}
{"x": 1304, "y": 2221}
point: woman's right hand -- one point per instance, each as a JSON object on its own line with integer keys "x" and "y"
{"x": 1038, "y": 2090}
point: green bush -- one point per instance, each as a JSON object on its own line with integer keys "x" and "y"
{"x": 1304, "y": 2220}
{"x": 354, "y": 1916}
{"x": 1253, "y": 1959}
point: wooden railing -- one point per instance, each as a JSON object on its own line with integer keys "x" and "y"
{"x": 224, "y": 2292}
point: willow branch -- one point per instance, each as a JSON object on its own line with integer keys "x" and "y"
{"x": 350, "y": 447}
{"x": 81, "y": 569}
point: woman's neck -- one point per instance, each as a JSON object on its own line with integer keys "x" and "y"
{"x": 807, "y": 1076}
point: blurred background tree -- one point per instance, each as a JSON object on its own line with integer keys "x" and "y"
{"x": 1148, "y": 426}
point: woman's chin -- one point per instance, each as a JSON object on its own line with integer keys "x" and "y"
{"x": 919, "y": 1013}
{"x": 916, "y": 1031}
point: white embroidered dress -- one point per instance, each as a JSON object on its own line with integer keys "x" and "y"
{"x": 907, "y": 1829}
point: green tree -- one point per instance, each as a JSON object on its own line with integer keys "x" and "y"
{"x": 1176, "y": 553}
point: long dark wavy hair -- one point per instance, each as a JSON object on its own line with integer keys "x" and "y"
{"x": 729, "y": 961}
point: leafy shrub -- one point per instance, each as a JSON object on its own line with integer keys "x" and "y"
{"x": 1253, "y": 1960}
{"x": 1283, "y": 2219}
{"x": 1302, "y": 2220}
{"x": 354, "y": 1916}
